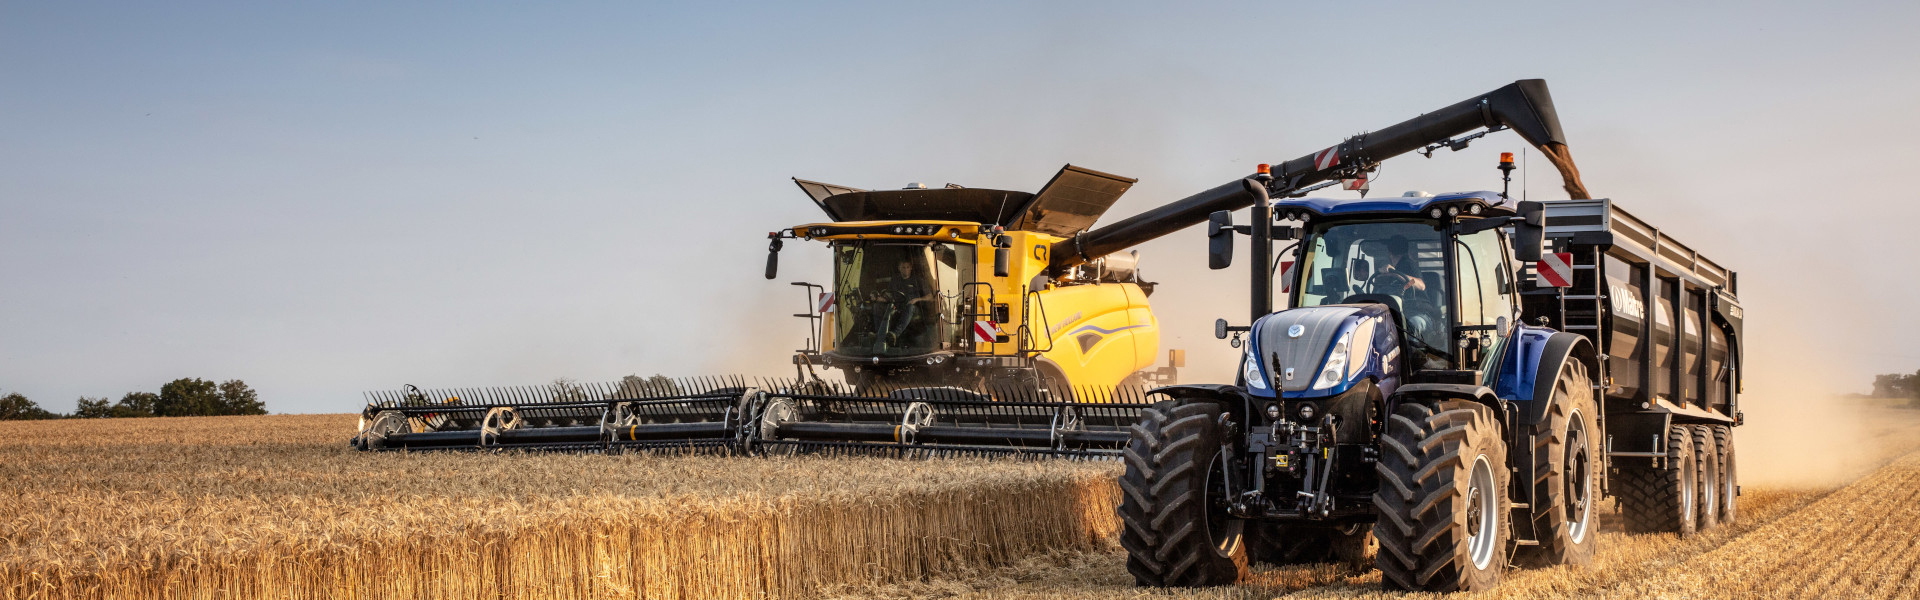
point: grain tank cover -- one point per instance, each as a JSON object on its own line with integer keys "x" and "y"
{"x": 1070, "y": 202}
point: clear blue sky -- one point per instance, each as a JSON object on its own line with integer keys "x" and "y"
{"x": 330, "y": 198}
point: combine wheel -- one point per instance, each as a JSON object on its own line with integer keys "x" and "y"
{"x": 386, "y": 423}
{"x": 1706, "y": 460}
{"x": 1565, "y": 461}
{"x": 1442, "y": 500}
{"x": 1729, "y": 475}
{"x": 1654, "y": 499}
{"x": 1177, "y": 530}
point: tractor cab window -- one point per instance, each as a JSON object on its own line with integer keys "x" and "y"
{"x": 898, "y": 298}
{"x": 1397, "y": 263}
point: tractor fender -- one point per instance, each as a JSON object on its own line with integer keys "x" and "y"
{"x": 1548, "y": 359}
{"x": 1452, "y": 391}
{"x": 1231, "y": 398}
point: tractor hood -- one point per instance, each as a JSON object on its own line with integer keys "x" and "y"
{"x": 1294, "y": 351}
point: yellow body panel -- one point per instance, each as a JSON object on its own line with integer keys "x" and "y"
{"x": 1095, "y": 334}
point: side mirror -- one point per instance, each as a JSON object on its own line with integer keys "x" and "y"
{"x": 773, "y": 255}
{"x": 1002, "y": 256}
{"x": 1220, "y": 240}
{"x": 1530, "y": 232}
{"x": 1219, "y": 329}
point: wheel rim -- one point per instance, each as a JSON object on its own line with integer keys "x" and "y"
{"x": 1709, "y": 489}
{"x": 1482, "y": 515}
{"x": 1223, "y": 530}
{"x": 1689, "y": 476}
{"x": 1579, "y": 479}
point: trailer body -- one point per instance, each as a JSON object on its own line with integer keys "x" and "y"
{"x": 1665, "y": 318}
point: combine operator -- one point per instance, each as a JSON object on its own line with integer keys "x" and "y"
{"x": 898, "y": 301}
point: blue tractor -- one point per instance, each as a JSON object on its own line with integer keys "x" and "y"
{"x": 1458, "y": 382}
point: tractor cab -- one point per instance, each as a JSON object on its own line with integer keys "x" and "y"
{"x": 1439, "y": 266}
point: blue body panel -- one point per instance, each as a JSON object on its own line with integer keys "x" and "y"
{"x": 1519, "y": 364}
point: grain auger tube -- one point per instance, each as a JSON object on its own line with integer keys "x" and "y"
{"x": 1440, "y": 395}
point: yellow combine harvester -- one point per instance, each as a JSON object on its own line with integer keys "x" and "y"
{"x": 955, "y": 322}
{"x": 956, "y": 287}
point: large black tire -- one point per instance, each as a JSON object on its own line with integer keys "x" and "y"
{"x": 1442, "y": 500}
{"x": 1566, "y": 466}
{"x": 1706, "y": 460}
{"x": 1660, "y": 499}
{"x": 1729, "y": 475}
{"x": 1176, "y": 529}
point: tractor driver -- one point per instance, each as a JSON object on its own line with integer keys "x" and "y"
{"x": 899, "y": 298}
{"x": 1400, "y": 262}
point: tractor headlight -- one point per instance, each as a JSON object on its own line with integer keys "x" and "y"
{"x": 1250, "y": 369}
{"x": 1335, "y": 368}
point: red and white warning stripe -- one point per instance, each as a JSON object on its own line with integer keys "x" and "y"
{"x": 1554, "y": 270}
{"x": 826, "y": 302}
{"x": 1286, "y": 276}
{"x": 1359, "y": 183}
{"x": 1327, "y": 158}
{"x": 985, "y": 331}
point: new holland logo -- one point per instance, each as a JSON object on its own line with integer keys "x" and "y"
{"x": 1296, "y": 331}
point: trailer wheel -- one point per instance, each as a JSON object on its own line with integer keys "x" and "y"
{"x": 1729, "y": 475}
{"x": 1706, "y": 460}
{"x": 1566, "y": 465}
{"x": 1177, "y": 531}
{"x": 1442, "y": 499}
{"x": 1654, "y": 499}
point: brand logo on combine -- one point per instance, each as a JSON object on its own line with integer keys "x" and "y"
{"x": 1296, "y": 331}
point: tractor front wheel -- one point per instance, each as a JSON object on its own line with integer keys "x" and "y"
{"x": 1178, "y": 532}
{"x": 1442, "y": 500}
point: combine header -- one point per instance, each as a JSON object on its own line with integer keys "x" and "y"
{"x": 954, "y": 325}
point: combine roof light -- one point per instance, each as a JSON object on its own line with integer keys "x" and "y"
{"x": 1264, "y": 169}
{"x": 1474, "y": 209}
{"x": 1453, "y": 211}
{"x": 1435, "y": 213}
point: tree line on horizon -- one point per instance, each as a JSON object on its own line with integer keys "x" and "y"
{"x": 185, "y": 397}
{"x": 1896, "y": 385}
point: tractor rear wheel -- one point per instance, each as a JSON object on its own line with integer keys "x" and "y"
{"x": 1566, "y": 465}
{"x": 1442, "y": 500}
{"x": 1177, "y": 531}
{"x": 1729, "y": 475}
{"x": 1706, "y": 458}
{"x": 1656, "y": 499}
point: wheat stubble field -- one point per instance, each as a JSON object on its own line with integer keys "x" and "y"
{"x": 278, "y": 507}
